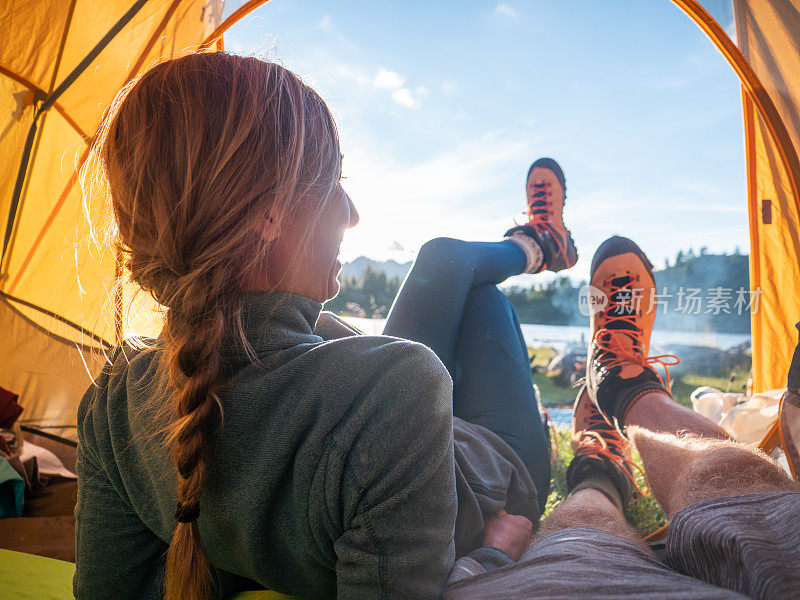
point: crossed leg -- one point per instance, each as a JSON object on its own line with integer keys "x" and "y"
{"x": 574, "y": 556}
{"x": 450, "y": 303}
{"x": 735, "y": 514}
{"x": 689, "y": 462}
{"x": 687, "y": 458}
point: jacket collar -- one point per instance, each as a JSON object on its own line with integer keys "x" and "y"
{"x": 272, "y": 321}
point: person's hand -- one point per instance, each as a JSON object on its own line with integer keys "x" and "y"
{"x": 513, "y": 534}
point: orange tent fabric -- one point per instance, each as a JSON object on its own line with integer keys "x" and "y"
{"x": 769, "y": 38}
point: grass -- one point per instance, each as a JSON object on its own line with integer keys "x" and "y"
{"x": 682, "y": 387}
{"x": 552, "y": 393}
{"x": 644, "y": 515}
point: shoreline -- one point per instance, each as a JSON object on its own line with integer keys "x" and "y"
{"x": 559, "y": 336}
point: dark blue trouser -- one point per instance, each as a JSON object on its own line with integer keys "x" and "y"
{"x": 449, "y": 302}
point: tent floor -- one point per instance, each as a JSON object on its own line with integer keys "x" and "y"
{"x": 47, "y": 525}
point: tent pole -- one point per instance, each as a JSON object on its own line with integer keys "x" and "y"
{"x": 151, "y": 42}
{"x": 47, "y": 103}
{"x": 23, "y": 170}
{"x": 49, "y": 436}
{"x": 755, "y": 89}
{"x": 71, "y": 182}
{"x": 237, "y": 15}
{"x": 93, "y": 53}
{"x": 11, "y": 302}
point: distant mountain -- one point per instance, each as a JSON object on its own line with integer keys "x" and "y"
{"x": 392, "y": 268}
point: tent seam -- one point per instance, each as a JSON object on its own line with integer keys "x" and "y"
{"x": 7, "y": 299}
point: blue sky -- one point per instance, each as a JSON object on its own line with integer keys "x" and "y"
{"x": 442, "y": 106}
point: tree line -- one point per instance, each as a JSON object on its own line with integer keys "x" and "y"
{"x": 369, "y": 295}
{"x": 697, "y": 292}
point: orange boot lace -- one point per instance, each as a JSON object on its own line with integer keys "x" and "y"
{"x": 611, "y": 446}
{"x": 624, "y": 345}
{"x": 541, "y": 214}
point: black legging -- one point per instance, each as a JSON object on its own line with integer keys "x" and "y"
{"x": 449, "y": 302}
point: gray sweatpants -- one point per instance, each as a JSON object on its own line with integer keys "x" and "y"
{"x": 729, "y": 547}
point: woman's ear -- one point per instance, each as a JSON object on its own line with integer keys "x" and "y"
{"x": 269, "y": 230}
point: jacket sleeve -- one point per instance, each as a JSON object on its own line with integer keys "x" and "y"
{"x": 115, "y": 553}
{"x": 400, "y": 500}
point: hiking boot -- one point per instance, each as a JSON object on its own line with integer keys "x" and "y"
{"x": 600, "y": 449}
{"x": 546, "y": 191}
{"x": 618, "y": 370}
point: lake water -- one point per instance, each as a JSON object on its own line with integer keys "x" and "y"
{"x": 562, "y": 417}
{"x": 559, "y": 336}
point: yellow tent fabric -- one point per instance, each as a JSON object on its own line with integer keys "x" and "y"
{"x": 766, "y": 55}
{"x": 44, "y": 42}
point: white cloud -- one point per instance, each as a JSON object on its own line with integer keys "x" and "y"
{"x": 505, "y": 10}
{"x": 388, "y": 80}
{"x": 404, "y": 97}
{"x": 325, "y": 24}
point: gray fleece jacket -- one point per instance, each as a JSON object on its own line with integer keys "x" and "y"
{"x": 334, "y": 469}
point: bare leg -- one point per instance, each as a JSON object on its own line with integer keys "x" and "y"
{"x": 659, "y": 413}
{"x": 588, "y": 507}
{"x": 688, "y": 458}
{"x": 748, "y": 551}
{"x": 683, "y": 469}
{"x": 596, "y": 476}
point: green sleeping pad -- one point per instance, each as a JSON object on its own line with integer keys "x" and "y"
{"x": 31, "y": 577}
